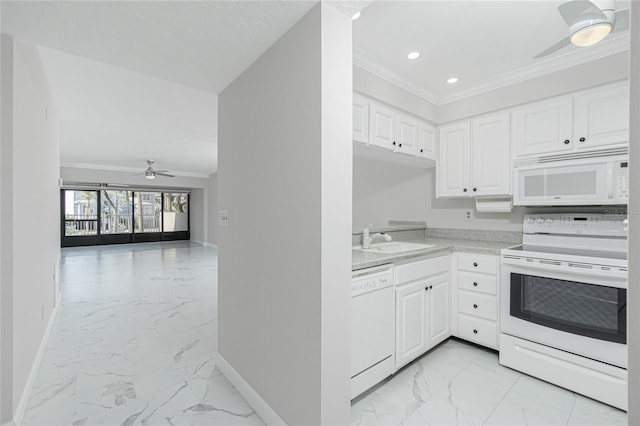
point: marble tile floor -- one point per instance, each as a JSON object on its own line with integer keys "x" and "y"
{"x": 134, "y": 341}
{"x": 135, "y": 336}
{"x": 459, "y": 383}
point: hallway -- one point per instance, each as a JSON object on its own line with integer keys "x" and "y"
{"x": 134, "y": 341}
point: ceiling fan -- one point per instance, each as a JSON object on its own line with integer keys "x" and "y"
{"x": 589, "y": 22}
{"x": 150, "y": 172}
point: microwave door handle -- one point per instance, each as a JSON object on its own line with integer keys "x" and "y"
{"x": 610, "y": 181}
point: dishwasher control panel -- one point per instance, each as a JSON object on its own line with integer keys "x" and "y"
{"x": 368, "y": 280}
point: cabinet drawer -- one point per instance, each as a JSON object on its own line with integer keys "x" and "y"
{"x": 422, "y": 268}
{"x": 478, "y": 305}
{"x": 487, "y": 284}
{"x": 479, "y": 331}
{"x": 478, "y": 263}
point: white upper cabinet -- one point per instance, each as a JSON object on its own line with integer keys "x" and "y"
{"x": 490, "y": 155}
{"x": 386, "y": 127}
{"x": 360, "y": 119}
{"x": 454, "y": 146}
{"x": 406, "y": 134}
{"x": 382, "y": 129}
{"x": 544, "y": 127}
{"x": 426, "y": 140}
{"x": 474, "y": 157}
{"x": 602, "y": 116}
{"x": 588, "y": 119}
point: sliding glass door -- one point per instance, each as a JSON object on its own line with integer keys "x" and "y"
{"x": 91, "y": 217}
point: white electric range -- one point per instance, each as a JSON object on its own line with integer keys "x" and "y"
{"x": 563, "y": 303}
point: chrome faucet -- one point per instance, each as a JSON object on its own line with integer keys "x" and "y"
{"x": 367, "y": 239}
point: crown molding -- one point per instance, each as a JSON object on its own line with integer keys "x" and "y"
{"x": 538, "y": 69}
{"x": 362, "y": 60}
{"x": 541, "y": 68}
{"x": 109, "y": 168}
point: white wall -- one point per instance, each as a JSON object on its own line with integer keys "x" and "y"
{"x": 606, "y": 70}
{"x": 31, "y": 201}
{"x": 633, "y": 317}
{"x": 198, "y": 214}
{"x": 370, "y": 84}
{"x": 6, "y": 231}
{"x": 212, "y": 210}
{"x": 284, "y": 260}
{"x": 383, "y": 191}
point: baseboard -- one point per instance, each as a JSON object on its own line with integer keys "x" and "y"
{"x": 21, "y": 408}
{"x": 204, "y": 243}
{"x": 266, "y": 413}
{"x": 9, "y": 423}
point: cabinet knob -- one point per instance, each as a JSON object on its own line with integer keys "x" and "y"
{"x": 475, "y": 306}
{"x": 475, "y": 264}
{"x": 464, "y": 190}
{"x": 430, "y": 286}
{"x": 475, "y": 331}
{"x": 421, "y": 150}
{"x": 475, "y": 284}
{"x": 394, "y": 142}
{"x": 400, "y": 145}
{"x": 427, "y": 288}
{"x": 475, "y": 189}
{"x": 566, "y": 141}
{"x": 582, "y": 139}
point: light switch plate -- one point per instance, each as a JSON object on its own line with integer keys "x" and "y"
{"x": 223, "y": 217}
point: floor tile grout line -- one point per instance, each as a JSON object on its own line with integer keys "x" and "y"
{"x": 573, "y": 406}
{"x": 501, "y": 399}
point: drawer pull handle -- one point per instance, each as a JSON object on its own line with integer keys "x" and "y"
{"x": 475, "y": 284}
{"x": 475, "y": 331}
{"x": 475, "y": 306}
{"x": 475, "y": 264}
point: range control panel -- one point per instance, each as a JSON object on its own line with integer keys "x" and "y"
{"x": 612, "y": 224}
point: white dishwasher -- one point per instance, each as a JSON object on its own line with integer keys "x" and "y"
{"x": 372, "y": 327}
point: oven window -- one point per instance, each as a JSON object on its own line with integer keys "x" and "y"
{"x": 585, "y": 309}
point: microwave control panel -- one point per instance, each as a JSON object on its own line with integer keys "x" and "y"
{"x": 621, "y": 182}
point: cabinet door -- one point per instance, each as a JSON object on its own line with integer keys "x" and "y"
{"x": 439, "y": 312}
{"x": 453, "y": 160}
{"x": 382, "y": 131}
{"x": 407, "y": 134}
{"x": 490, "y": 155}
{"x": 411, "y": 332}
{"x": 544, "y": 127}
{"x": 426, "y": 141}
{"x": 360, "y": 119}
{"x": 602, "y": 116}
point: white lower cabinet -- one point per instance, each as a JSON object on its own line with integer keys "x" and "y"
{"x": 476, "y": 298}
{"x": 423, "y": 313}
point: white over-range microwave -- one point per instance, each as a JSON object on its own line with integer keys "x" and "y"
{"x": 582, "y": 182}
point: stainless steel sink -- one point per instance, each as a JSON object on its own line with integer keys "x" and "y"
{"x": 394, "y": 247}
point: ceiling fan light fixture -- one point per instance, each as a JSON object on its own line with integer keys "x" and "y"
{"x": 148, "y": 174}
{"x": 591, "y": 34}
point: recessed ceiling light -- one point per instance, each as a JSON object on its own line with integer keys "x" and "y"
{"x": 413, "y": 55}
{"x": 355, "y": 16}
{"x": 452, "y": 80}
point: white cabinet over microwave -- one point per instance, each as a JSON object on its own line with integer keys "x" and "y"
{"x": 581, "y": 121}
{"x": 595, "y": 181}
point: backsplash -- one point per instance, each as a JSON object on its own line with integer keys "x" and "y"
{"x": 475, "y": 235}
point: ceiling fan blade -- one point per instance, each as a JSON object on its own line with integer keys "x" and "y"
{"x": 559, "y": 45}
{"x": 161, "y": 171}
{"x": 622, "y": 20}
{"x": 164, "y": 174}
{"x": 577, "y": 10}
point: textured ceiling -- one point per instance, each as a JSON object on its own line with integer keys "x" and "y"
{"x": 202, "y": 44}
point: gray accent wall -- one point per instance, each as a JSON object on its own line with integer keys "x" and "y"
{"x": 284, "y": 175}
{"x": 30, "y": 225}
{"x": 633, "y": 295}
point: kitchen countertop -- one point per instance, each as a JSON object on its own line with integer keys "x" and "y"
{"x": 363, "y": 259}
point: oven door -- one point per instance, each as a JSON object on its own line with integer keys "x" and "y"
{"x": 569, "y": 310}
